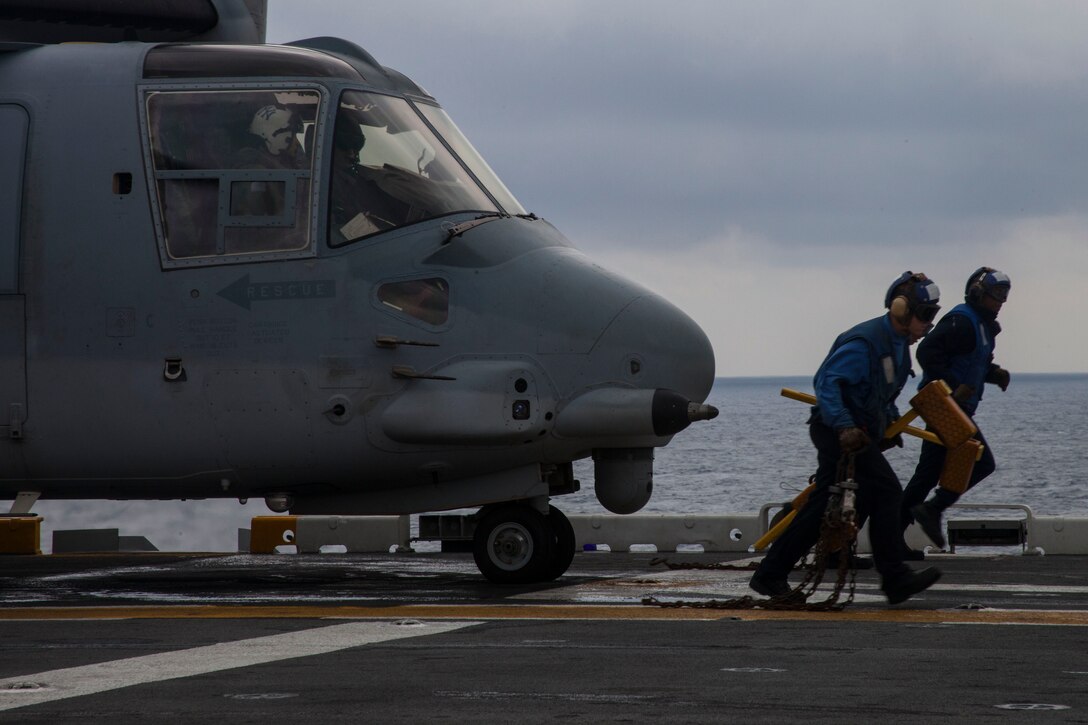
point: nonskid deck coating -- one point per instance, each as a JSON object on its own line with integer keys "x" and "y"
{"x": 117, "y": 636}
{"x": 976, "y": 589}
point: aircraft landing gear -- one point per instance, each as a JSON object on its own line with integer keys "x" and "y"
{"x": 516, "y": 544}
{"x": 563, "y": 553}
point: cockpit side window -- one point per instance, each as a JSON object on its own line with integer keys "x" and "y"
{"x": 424, "y": 299}
{"x": 232, "y": 171}
{"x": 389, "y": 170}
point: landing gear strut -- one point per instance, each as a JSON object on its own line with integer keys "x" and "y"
{"x": 516, "y": 544}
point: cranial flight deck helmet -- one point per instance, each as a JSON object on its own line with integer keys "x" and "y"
{"x": 913, "y": 295}
{"x": 276, "y": 126}
{"x": 987, "y": 282}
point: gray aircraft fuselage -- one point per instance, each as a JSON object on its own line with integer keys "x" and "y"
{"x": 162, "y": 337}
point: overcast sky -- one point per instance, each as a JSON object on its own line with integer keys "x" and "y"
{"x": 771, "y": 167}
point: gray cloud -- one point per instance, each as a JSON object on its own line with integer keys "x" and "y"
{"x": 853, "y": 116}
{"x": 818, "y": 133}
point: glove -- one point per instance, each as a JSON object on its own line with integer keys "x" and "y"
{"x": 896, "y": 441}
{"x": 852, "y": 440}
{"x": 963, "y": 392}
{"x": 1001, "y": 377}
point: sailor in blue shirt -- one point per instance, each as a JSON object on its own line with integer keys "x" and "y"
{"x": 960, "y": 351}
{"x": 856, "y": 387}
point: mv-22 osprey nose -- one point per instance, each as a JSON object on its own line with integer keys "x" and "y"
{"x": 231, "y": 269}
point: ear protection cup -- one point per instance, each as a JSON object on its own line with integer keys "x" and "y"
{"x": 903, "y": 302}
{"x": 900, "y": 309}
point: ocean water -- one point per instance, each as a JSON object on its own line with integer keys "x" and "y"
{"x": 758, "y": 450}
{"x": 755, "y": 452}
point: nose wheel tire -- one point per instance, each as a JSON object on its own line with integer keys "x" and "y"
{"x": 513, "y": 544}
{"x": 516, "y": 544}
{"x": 564, "y": 543}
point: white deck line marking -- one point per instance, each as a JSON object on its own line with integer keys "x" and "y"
{"x": 53, "y": 685}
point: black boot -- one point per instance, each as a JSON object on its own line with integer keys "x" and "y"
{"x": 903, "y": 586}
{"x": 928, "y": 517}
{"x": 770, "y": 586}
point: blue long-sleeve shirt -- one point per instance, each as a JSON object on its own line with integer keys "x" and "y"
{"x": 848, "y": 371}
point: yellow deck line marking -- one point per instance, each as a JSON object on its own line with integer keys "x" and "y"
{"x": 500, "y": 611}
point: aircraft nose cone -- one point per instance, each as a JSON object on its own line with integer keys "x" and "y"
{"x": 658, "y": 346}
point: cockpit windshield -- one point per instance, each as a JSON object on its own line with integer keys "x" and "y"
{"x": 389, "y": 170}
{"x": 461, "y": 146}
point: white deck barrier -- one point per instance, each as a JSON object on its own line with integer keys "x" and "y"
{"x": 667, "y": 532}
{"x": 312, "y": 534}
{"x": 726, "y": 533}
{"x": 1058, "y": 535}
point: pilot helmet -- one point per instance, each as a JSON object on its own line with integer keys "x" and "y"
{"x": 913, "y": 294}
{"x": 276, "y": 126}
{"x": 987, "y": 282}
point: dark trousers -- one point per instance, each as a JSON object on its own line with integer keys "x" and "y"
{"x": 928, "y": 473}
{"x": 878, "y": 498}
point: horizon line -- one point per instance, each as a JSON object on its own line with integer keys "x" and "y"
{"x": 809, "y": 375}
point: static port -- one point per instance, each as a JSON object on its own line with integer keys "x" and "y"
{"x": 520, "y": 410}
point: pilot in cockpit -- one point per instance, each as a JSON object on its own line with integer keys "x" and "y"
{"x": 360, "y": 207}
{"x": 271, "y": 143}
{"x": 273, "y": 134}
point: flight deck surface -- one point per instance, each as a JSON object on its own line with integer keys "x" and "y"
{"x": 423, "y": 637}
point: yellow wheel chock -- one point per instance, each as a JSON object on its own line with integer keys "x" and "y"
{"x": 951, "y": 427}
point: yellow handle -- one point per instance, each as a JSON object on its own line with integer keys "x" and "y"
{"x": 798, "y": 395}
{"x": 775, "y": 531}
{"x": 893, "y": 430}
{"x": 902, "y": 424}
